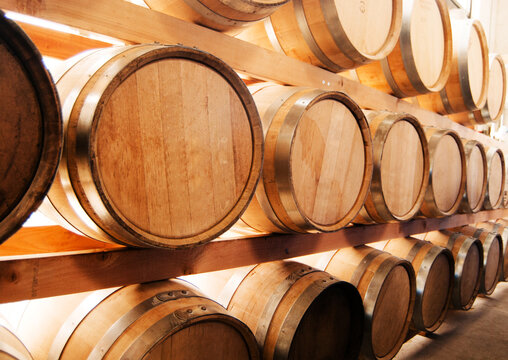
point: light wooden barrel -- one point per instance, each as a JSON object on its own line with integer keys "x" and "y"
{"x": 468, "y": 255}
{"x": 447, "y": 180}
{"x": 11, "y": 348}
{"x": 296, "y": 311}
{"x": 492, "y": 256}
{"x": 163, "y": 146}
{"x": 495, "y": 179}
{"x": 476, "y": 177}
{"x": 157, "y": 320}
{"x": 336, "y": 35}
{"x": 216, "y": 14}
{"x": 318, "y": 160}
{"x": 401, "y": 168}
{"x": 467, "y": 85}
{"x": 496, "y": 96}
{"x": 422, "y": 59}
{"x": 500, "y": 227}
{"x": 30, "y": 126}
{"x": 387, "y": 286}
{"x": 434, "y": 269}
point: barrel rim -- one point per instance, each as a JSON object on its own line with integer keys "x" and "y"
{"x": 487, "y": 204}
{"x": 465, "y": 204}
{"x": 429, "y": 205}
{"x": 52, "y": 139}
{"x": 383, "y": 213}
{"x": 421, "y": 282}
{"x": 408, "y": 60}
{"x": 490, "y": 238}
{"x": 104, "y": 211}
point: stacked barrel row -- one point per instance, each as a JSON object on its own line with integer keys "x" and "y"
{"x": 150, "y": 158}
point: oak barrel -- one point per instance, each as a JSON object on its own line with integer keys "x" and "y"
{"x": 11, "y": 348}
{"x": 501, "y": 228}
{"x": 318, "y": 160}
{"x": 387, "y": 286}
{"x": 467, "y": 85}
{"x": 401, "y": 168}
{"x": 434, "y": 269}
{"x": 30, "y": 126}
{"x": 447, "y": 181}
{"x": 492, "y": 256}
{"x": 496, "y": 96}
{"x": 476, "y": 177}
{"x": 229, "y": 16}
{"x": 296, "y": 311}
{"x": 495, "y": 179}
{"x": 333, "y": 34}
{"x": 163, "y": 146}
{"x": 157, "y": 320}
{"x": 422, "y": 59}
{"x": 468, "y": 255}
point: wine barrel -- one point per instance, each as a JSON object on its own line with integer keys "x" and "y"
{"x": 495, "y": 179}
{"x": 401, "y": 168}
{"x": 421, "y": 61}
{"x": 496, "y": 96}
{"x": 387, "y": 286}
{"x": 500, "y": 227}
{"x": 468, "y": 255}
{"x": 157, "y": 320}
{"x": 11, "y": 348}
{"x": 296, "y": 311}
{"x": 336, "y": 35}
{"x": 228, "y": 16}
{"x": 476, "y": 177}
{"x": 447, "y": 181}
{"x": 466, "y": 88}
{"x": 318, "y": 160}
{"x": 492, "y": 256}
{"x": 31, "y": 128}
{"x": 434, "y": 269}
{"x": 163, "y": 146}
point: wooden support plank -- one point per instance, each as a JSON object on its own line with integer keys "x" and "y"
{"x": 126, "y": 21}
{"x": 58, "y": 44}
{"x": 36, "y": 276}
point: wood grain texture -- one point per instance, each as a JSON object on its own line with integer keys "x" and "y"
{"x": 58, "y": 44}
{"x": 33, "y": 276}
{"x": 467, "y": 85}
{"x": 434, "y": 268}
{"x": 165, "y": 319}
{"x": 496, "y": 179}
{"x": 448, "y": 173}
{"x": 401, "y": 168}
{"x": 31, "y": 126}
{"x": 421, "y": 60}
{"x": 11, "y": 348}
{"x": 387, "y": 286}
{"x": 288, "y": 312}
{"x": 129, "y": 22}
{"x": 500, "y": 227}
{"x": 476, "y": 177}
{"x": 492, "y": 244}
{"x": 468, "y": 255}
{"x": 317, "y": 164}
{"x": 336, "y": 35}
{"x": 164, "y": 163}
{"x": 230, "y": 16}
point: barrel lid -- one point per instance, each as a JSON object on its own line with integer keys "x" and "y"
{"x": 495, "y": 178}
{"x": 475, "y": 175}
{"x": 329, "y": 161}
{"x": 496, "y": 94}
{"x": 477, "y": 66}
{"x": 430, "y": 34}
{"x": 30, "y": 125}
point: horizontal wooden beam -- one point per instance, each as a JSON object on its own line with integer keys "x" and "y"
{"x": 37, "y": 276}
{"x": 129, "y": 22}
